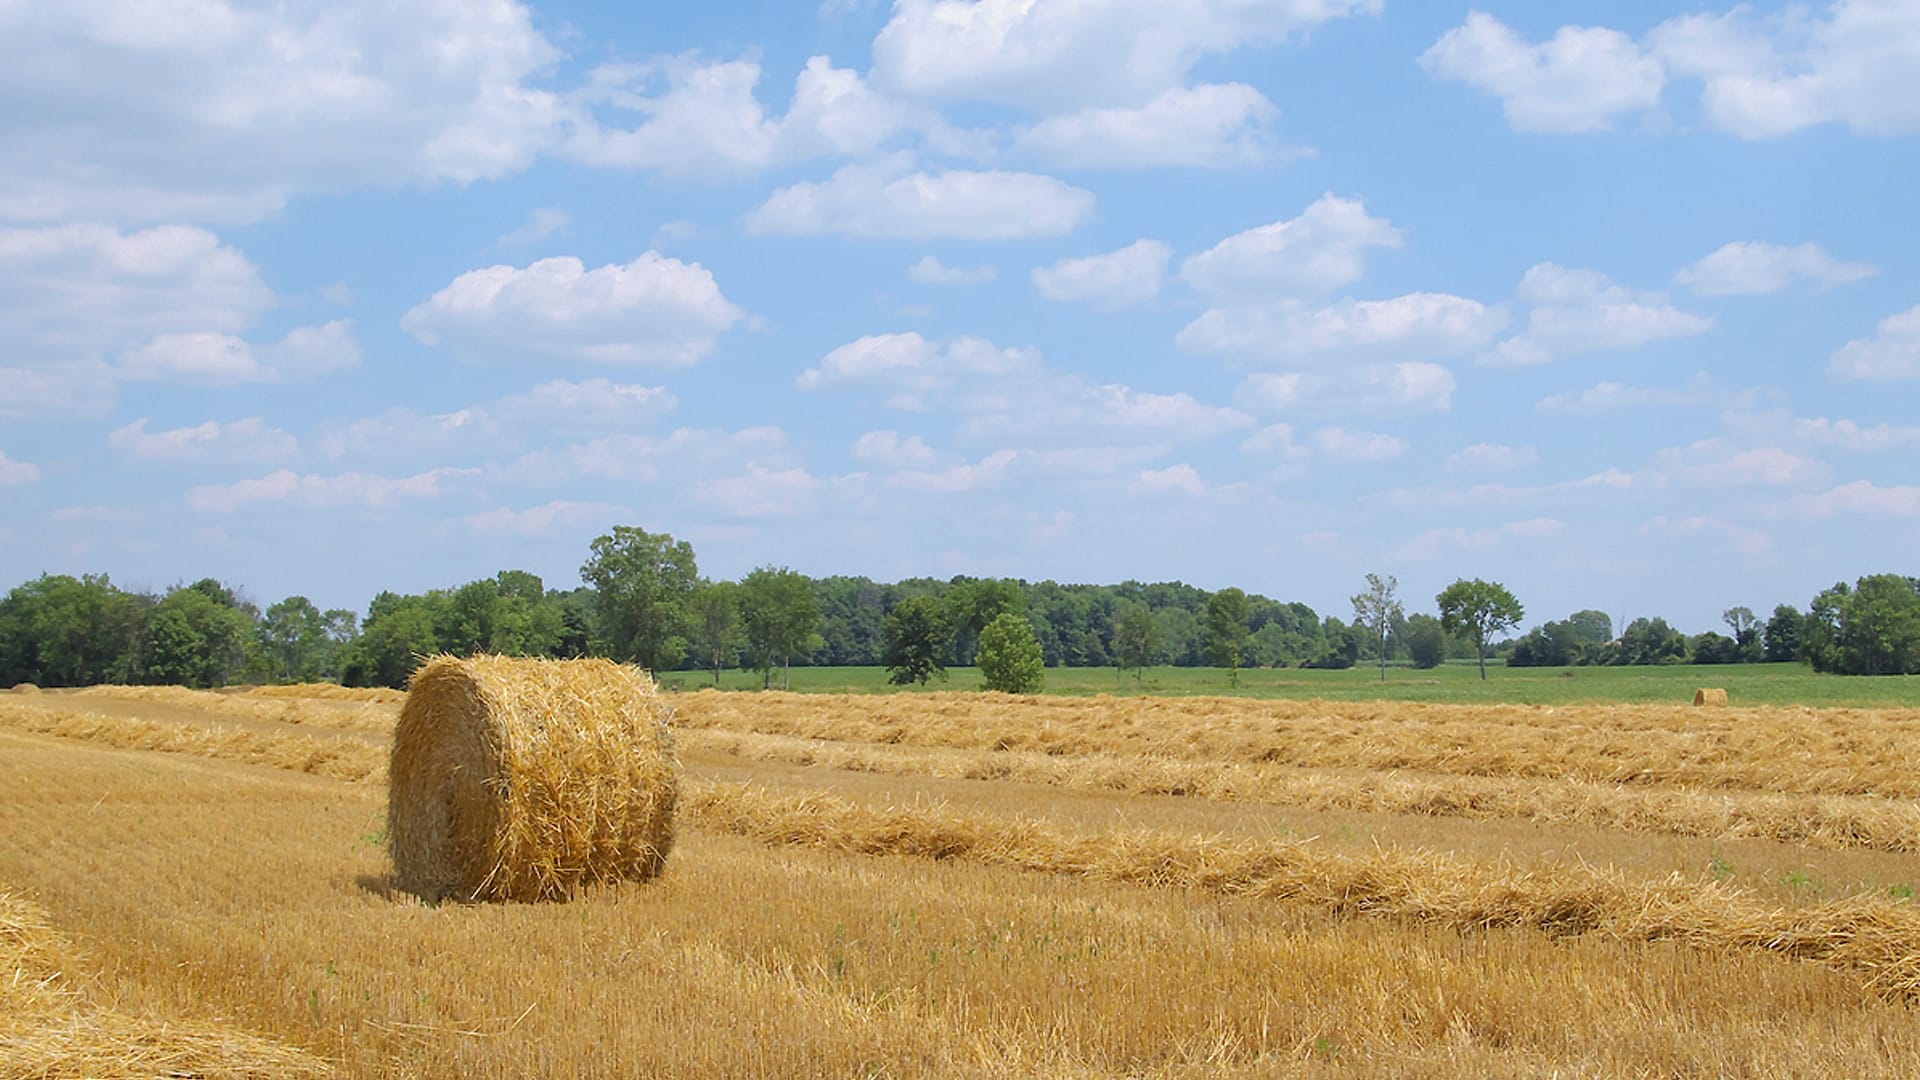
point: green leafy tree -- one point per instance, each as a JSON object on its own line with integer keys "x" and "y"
{"x": 780, "y": 617}
{"x": 1375, "y": 612}
{"x": 1010, "y": 655}
{"x": 1875, "y": 629}
{"x": 1228, "y": 612}
{"x": 294, "y": 641}
{"x": 397, "y": 636}
{"x": 972, "y": 603}
{"x": 1339, "y": 645}
{"x": 1712, "y": 648}
{"x": 1746, "y": 633}
{"x": 716, "y": 625}
{"x": 1652, "y": 641}
{"x": 1285, "y": 633}
{"x": 578, "y": 613}
{"x": 642, "y": 584}
{"x": 1552, "y": 644}
{"x": 1782, "y": 639}
{"x": 196, "y": 640}
{"x": 509, "y": 614}
{"x": 1590, "y": 627}
{"x": 1177, "y": 636}
{"x": 1477, "y": 610}
{"x": 852, "y": 613}
{"x": 1135, "y": 639}
{"x": 915, "y": 641}
{"x": 63, "y": 631}
{"x": 1426, "y": 641}
{"x": 1820, "y": 631}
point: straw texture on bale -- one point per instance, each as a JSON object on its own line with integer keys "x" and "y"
{"x": 1709, "y": 695}
{"x": 25, "y": 688}
{"x": 529, "y": 779}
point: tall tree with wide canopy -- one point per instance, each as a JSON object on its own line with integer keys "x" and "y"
{"x": 643, "y": 585}
{"x": 780, "y": 616}
{"x": 1477, "y": 610}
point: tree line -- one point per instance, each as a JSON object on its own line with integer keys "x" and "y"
{"x": 642, "y": 600}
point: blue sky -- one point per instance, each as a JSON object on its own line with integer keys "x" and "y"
{"x": 1618, "y": 304}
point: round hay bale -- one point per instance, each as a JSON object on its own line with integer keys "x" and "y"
{"x": 529, "y": 779}
{"x": 1709, "y": 696}
{"x": 25, "y": 688}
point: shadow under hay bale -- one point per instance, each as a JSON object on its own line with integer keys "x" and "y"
{"x": 1709, "y": 696}
{"x": 529, "y": 779}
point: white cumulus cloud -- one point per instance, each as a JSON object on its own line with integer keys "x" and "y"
{"x": 762, "y": 492}
{"x": 74, "y": 292}
{"x": 984, "y": 474}
{"x": 596, "y": 402}
{"x": 1322, "y": 250}
{"x": 703, "y": 119}
{"x": 1418, "y": 326}
{"x": 1432, "y": 544}
{"x": 1861, "y": 498}
{"x": 1761, "y": 75}
{"x": 1753, "y": 268}
{"x": 1174, "y": 480}
{"x": 544, "y": 223}
{"x": 1581, "y": 79}
{"x": 889, "y": 199}
{"x": 1010, "y": 393}
{"x": 1491, "y": 457}
{"x": 652, "y": 311}
{"x": 1366, "y": 390}
{"x": 1347, "y": 445}
{"x": 1056, "y": 55}
{"x": 1576, "y": 311}
{"x": 1857, "y": 64}
{"x": 1608, "y": 396}
{"x": 1209, "y": 126}
{"x": 912, "y": 367}
{"x": 221, "y": 111}
{"x": 931, "y": 271}
{"x": 17, "y": 472}
{"x": 1893, "y": 352}
{"x": 543, "y": 520}
{"x": 249, "y": 440}
{"x": 314, "y": 491}
{"x": 888, "y": 450}
{"x": 305, "y": 352}
{"x": 1118, "y": 279}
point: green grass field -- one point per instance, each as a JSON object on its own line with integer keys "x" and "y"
{"x": 1746, "y": 684}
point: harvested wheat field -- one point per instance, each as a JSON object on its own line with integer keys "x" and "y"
{"x": 969, "y": 884}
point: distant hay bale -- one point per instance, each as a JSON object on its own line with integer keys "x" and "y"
{"x": 529, "y": 779}
{"x": 1709, "y": 695}
{"x": 25, "y": 688}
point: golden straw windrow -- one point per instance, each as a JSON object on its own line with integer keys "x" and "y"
{"x": 360, "y": 712}
{"x": 1788, "y": 750}
{"x": 348, "y": 759}
{"x": 1824, "y": 821}
{"x": 49, "y": 1027}
{"x": 1878, "y": 939}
